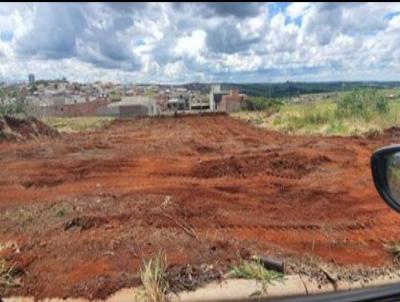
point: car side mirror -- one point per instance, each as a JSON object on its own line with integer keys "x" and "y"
{"x": 385, "y": 166}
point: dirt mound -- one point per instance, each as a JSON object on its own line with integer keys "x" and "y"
{"x": 22, "y": 129}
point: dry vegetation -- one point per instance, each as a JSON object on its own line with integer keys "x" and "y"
{"x": 153, "y": 276}
{"x": 254, "y": 270}
{"x": 6, "y": 276}
{"x": 394, "y": 249}
{"x": 78, "y": 124}
{"x": 355, "y": 113}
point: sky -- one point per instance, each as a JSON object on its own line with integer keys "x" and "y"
{"x": 206, "y": 42}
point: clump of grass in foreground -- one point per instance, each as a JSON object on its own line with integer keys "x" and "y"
{"x": 254, "y": 270}
{"x": 6, "y": 277}
{"x": 394, "y": 249}
{"x": 153, "y": 276}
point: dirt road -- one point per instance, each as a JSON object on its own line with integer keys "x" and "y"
{"x": 79, "y": 213}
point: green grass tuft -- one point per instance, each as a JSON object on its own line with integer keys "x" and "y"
{"x": 153, "y": 276}
{"x": 394, "y": 249}
{"x": 6, "y": 277}
{"x": 254, "y": 270}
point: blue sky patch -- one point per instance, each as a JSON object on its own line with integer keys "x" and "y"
{"x": 6, "y": 36}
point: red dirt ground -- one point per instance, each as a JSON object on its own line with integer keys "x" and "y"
{"x": 84, "y": 209}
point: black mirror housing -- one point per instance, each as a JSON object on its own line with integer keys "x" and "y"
{"x": 380, "y": 165}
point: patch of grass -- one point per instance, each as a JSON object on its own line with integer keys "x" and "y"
{"x": 254, "y": 270}
{"x": 153, "y": 276}
{"x": 394, "y": 249}
{"x": 6, "y": 276}
{"x": 253, "y": 103}
{"x": 308, "y": 117}
{"x": 77, "y": 124}
{"x": 362, "y": 103}
{"x": 60, "y": 213}
{"x": 8, "y": 244}
{"x": 24, "y": 215}
{"x": 360, "y": 112}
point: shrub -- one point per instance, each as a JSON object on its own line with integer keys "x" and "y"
{"x": 382, "y": 105}
{"x": 259, "y": 104}
{"x": 15, "y": 107}
{"x": 362, "y": 103}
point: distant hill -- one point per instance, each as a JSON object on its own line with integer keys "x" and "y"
{"x": 290, "y": 89}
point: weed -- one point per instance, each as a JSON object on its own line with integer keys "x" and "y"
{"x": 153, "y": 276}
{"x": 60, "y": 213}
{"x": 9, "y": 244}
{"x": 394, "y": 249}
{"x": 6, "y": 277}
{"x": 24, "y": 215}
{"x": 254, "y": 270}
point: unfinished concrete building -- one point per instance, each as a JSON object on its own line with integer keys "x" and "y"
{"x": 224, "y": 100}
{"x": 130, "y": 106}
{"x": 231, "y": 102}
{"x": 178, "y": 103}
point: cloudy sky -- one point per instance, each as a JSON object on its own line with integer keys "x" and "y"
{"x": 175, "y": 43}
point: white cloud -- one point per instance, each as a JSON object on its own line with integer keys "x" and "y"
{"x": 191, "y": 45}
{"x": 297, "y": 9}
{"x": 164, "y": 42}
{"x": 282, "y": 37}
{"x": 175, "y": 70}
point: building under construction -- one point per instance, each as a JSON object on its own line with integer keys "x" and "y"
{"x": 225, "y": 100}
{"x": 130, "y": 106}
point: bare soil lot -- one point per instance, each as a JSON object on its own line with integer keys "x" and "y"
{"x": 79, "y": 212}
